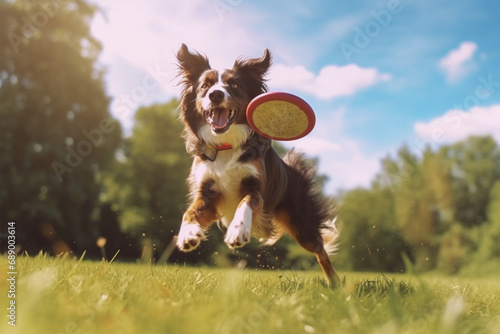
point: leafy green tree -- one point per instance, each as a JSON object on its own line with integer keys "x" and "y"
{"x": 474, "y": 167}
{"x": 370, "y": 238}
{"x": 412, "y": 206}
{"x": 148, "y": 182}
{"x": 454, "y": 248}
{"x": 489, "y": 248}
{"x": 57, "y": 135}
{"x": 422, "y": 188}
{"x": 441, "y": 198}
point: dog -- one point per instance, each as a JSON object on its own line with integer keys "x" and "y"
{"x": 237, "y": 178}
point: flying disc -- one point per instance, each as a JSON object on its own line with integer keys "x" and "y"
{"x": 280, "y": 116}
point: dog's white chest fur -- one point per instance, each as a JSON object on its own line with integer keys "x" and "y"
{"x": 226, "y": 173}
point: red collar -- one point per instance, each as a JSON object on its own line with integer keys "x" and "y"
{"x": 225, "y": 146}
{"x": 210, "y": 152}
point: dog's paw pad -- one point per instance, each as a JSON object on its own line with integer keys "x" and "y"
{"x": 190, "y": 237}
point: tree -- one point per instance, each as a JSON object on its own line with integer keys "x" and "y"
{"x": 148, "y": 183}
{"x": 474, "y": 167}
{"x": 57, "y": 135}
{"x": 414, "y": 212}
{"x": 489, "y": 248}
{"x": 370, "y": 238}
{"x": 441, "y": 198}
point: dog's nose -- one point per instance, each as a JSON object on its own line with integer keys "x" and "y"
{"x": 217, "y": 96}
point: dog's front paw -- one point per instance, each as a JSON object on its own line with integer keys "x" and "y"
{"x": 190, "y": 237}
{"x": 238, "y": 234}
{"x": 240, "y": 229}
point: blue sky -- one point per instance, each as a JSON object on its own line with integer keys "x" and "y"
{"x": 377, "y": 73}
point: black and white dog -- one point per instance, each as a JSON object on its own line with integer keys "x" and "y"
{"x": 237, "y": 178}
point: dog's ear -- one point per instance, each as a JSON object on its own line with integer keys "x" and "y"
{"x": 191, "y": 65}
{"x": 255, "y": 70}
{"x": 254, "y": 67}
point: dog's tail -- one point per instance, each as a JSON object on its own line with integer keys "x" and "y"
{"x": 330, "y": 234}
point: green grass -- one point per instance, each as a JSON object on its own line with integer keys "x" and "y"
{"x": 60, "y": 295}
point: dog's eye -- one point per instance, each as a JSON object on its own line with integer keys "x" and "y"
{"x": 234, "y": 85}
{"x": 204, "y": 86}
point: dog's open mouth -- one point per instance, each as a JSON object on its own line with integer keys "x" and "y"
{"x": 221, "y": 118}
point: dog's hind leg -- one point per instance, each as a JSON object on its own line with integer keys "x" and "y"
{"x": 324, "y": 261}
{"x": 326, "y": 265}
{"x": 312, "y": 241}
{"x": 317, "y": 247}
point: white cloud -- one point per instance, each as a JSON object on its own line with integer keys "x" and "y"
{"x": 458, "y": 62}
{"x": 331, "y": 82}
{"x": 457, "y": 125}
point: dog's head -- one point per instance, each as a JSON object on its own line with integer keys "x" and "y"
{"x": 214, "y": 101}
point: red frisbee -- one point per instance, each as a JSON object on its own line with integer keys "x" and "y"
{"x": 280, "y": 116}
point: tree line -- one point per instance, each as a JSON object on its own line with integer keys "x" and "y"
{"x": 74, "y": 183}
{"x": 438, "y": 209}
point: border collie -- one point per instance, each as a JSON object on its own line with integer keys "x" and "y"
{"x": 237, "y": 178}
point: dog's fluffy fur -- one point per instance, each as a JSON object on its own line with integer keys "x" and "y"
{"x": 237, "y": 178}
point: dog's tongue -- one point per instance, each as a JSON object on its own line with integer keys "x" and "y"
{"x": 219, "y": 118}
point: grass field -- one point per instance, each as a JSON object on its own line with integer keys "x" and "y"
{"x": 58, "y": 295}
